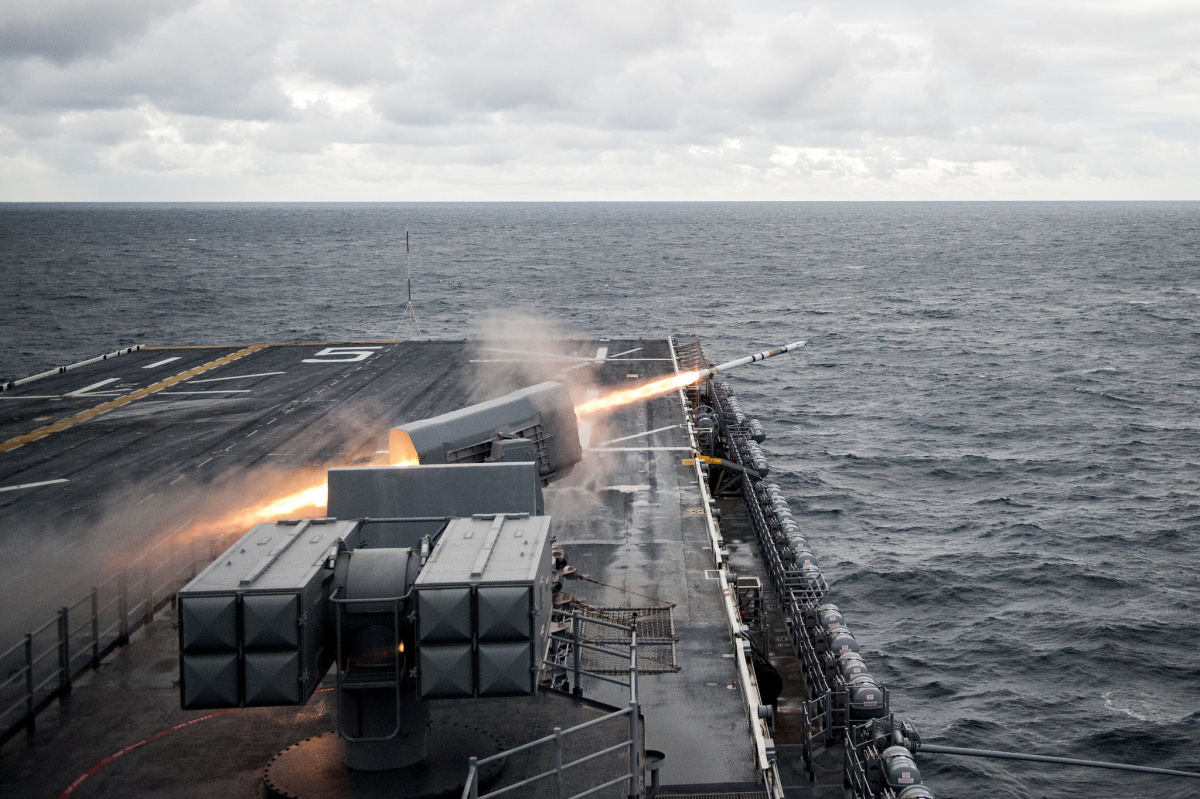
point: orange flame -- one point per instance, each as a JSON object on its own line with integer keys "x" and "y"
{"x": 309, "y": 501}
{"x": 645, "y": 391}
{"x": 312, "y": 497}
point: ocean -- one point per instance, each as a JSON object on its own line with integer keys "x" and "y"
{"x": 992, "y": 437}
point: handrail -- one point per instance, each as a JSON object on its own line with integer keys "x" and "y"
{"x": 86, "y": 632}
{"x": 396, "y": 648}
{"x": 632, "y": 742}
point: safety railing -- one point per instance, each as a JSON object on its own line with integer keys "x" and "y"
{"x": 570, "y": 647}
{"x": 632, "y": 778}
{"x": 43, "y": 665}
{"x": 372, "y": 677}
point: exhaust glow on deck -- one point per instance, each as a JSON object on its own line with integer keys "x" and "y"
{"x": 628, "y": 396}
{"x": 309, "y": 501}
{"x": 311, "y": 497}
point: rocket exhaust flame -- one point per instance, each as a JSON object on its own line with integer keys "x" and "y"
{"x": 313, "y": 497}
{"x": 627, "y": 396}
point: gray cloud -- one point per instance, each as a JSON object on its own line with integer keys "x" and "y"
{"x": 62, "y": 31}
{"x": 336, "y": 99}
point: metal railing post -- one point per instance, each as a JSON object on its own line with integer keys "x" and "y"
{"x": 633, "y": 749}
{"x": 64, "y": 652}
{"x": 30, "y": 722}
{"x": 122, "y": 608}
{"x": 172, "y": 573}
{"x": 473, "y": 776}
{"x": 635, "y": 759}
{"x": 633, "y": 661}
{"x": 577, "y": 631}
{"x": 95, "y": 627}
{"x": 558, "y": 763}
{"x": 148, "y": 613}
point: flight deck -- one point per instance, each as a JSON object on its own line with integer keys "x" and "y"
{"x": 107, "y": 459}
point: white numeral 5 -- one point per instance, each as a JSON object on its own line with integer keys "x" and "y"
{"x": 351, "y": 355}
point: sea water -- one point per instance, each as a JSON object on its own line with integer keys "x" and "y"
{"x": 992, "y": 438}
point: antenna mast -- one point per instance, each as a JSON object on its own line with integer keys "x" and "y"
{"x": 410, "y": 310}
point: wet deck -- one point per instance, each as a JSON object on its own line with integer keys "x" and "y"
{"x": 83, "y": 488}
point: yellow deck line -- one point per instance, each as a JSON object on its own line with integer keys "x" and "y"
{"x": 83, "y": 416}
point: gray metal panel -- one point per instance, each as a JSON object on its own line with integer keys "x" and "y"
{"x": 277, "y": 573}
{"x": 293, "y": 553}
{"x": 548, "y": 404}
{"x": 518, "y": 553}
{"x": 505, "y": 669}
{"x": 444, "y": 614}
{"x": 208, "y": 623}
{"x": 397, "y": 534}
{"x": 210, "y": 681}
{"x": 451, "y": 490}
{"x": 273, "y": 678}
{"x": 503, "y": 613}
{"x": 271, "y": 621}
{"x": 447, "y": 671}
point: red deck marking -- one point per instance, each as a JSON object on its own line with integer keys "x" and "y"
{"x": 75, "y": 783}
{"x": 91, "y": 772}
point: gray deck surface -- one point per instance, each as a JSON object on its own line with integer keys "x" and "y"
{"x": 621, "y": 516}
{"x": 143, "y": 468}
{"x": 625, "y": 525}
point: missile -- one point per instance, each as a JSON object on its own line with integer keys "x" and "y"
{"x": 762, "y": 356}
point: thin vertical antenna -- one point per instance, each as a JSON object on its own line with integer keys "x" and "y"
{"x": 410, "y": 310}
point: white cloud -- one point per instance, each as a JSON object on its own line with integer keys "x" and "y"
{"x": 371, "y": 99}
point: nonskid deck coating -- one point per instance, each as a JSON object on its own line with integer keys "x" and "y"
{"x": 633, "y": 532}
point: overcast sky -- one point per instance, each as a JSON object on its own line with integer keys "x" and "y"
{"x": 612, "y": 100}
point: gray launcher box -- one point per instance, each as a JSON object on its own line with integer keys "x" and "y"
{"x": 483, "y": 607}
{"x": 252, "y": 624}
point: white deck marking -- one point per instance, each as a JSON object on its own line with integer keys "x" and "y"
{"x": 163, "y": 362}
{"x": 540, "y": 356}
{"x": 638, "y": 449}
{"x": 82, "y": 392}
{"x": 211, "y": 391}
{"x": 626, "y": 352}
{"x": 342, "y": 355}
{"x": 235, "y": 377}
{"x": 601, "y": 357}
{"x": 125, "y": 399}
{"x": 638, "y": 435}
{"x": 586, "y": 361}
{"x": 35, "y": 485}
